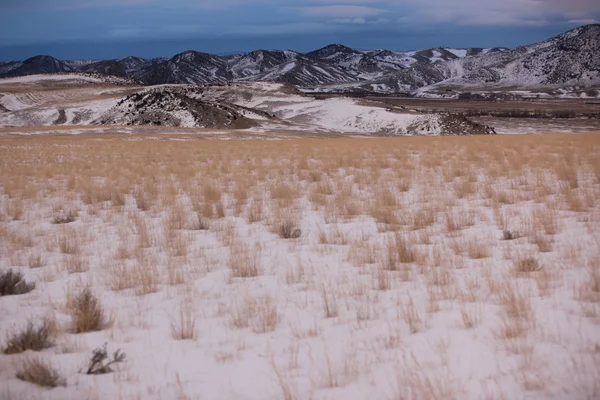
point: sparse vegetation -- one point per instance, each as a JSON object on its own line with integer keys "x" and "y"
{"x": 63, "y": 218}
{"x": 485, "y": 241}
{"x": 41, "y": 373}
{"x": 289, "y": 231}
{"x": 13, "y": 283}
{"x": 525, "y": 265}
{"x": 87, "y": 313}
{"x": 101, "y": 363}
{"x": 33, "y": 337}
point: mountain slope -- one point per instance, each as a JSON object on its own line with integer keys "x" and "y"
{"x": 37, "y": 65}
{"x": 572, "y": 58}
{"x": 565, "y": 61}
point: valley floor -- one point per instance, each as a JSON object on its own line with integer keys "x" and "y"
{"x": 379, "y": 268}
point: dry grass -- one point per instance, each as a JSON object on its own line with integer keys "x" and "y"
{"x": 244, "y": 261}
{"x": 184, "y": 326}
{"x": 526, "y": 265}
{"x": 404, "y": 241}
{"x": 87, "y": 313}
{"x": 34, "y": 337}
{"x": 41, "y": 373}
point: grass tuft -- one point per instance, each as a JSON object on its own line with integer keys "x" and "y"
{"x": 12, "y": 283}
{"x": 289, "y": 231}
{"x": 34, "y": 338}
{"x": 41, "y": 373}
{"x": 87, "y": 312}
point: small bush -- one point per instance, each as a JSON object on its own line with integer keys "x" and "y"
{"x": 65, "y": 218}
{"x": 507, "y": 234}
{"x": 289, "y": 231}
{"x": 40, "y": 372}
{"x": 100, "y": 362}
{"x": 12, "y": 283}
{"x": 527, "y": 265}
{"x": 87, "y": 313}
{"x": 201, "y": 224}
{"x": 34, "y": 338}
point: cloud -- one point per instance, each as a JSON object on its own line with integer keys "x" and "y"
{"x": 348, "y": 21}
{"x": 41, "y": 5}
{"x": 583, "y": 21}
{"x": 500, "y": 13}
{"x": 342, "y": 11}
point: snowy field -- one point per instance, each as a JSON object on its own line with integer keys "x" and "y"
{"x": 394, "y": 268}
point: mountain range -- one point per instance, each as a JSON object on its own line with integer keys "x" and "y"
{"x": 570, "y": 60}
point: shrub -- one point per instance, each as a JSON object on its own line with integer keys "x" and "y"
{"x": 34, "y": 338}
{"x": 507, "y": 234}
{"x": 289, "y": 231}
{"x": 527, "y": 264}
{"x": 100, "y": 362}
{"x": 65, "y": 219}
{"x": 12, "y": 283}
{"x": 87, "y": 313}
{"x": 40, "y": 372}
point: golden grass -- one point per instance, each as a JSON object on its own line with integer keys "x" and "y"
{"x": 405, "y": 227}
{"x": 40, "y": 372}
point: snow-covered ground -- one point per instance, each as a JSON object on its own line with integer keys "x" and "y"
{"x": 84, "y": 106}
{"x": 425, "y": 268}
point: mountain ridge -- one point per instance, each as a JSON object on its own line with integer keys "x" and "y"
{"x": 569, "y": 59}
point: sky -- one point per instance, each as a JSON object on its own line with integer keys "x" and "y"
{"x": 105, "y": 29}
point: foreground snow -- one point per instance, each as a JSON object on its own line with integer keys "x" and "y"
{"x": 400, "y": 285}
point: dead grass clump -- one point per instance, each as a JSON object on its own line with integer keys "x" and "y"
{"x": 75, "y": 264}
{"x": 401, "y": 251}
{"x": 141, "y": 200}
{"x": 258, "y": 314}
{"x": 288, "y": 230}
{"x": 590, "y": 289}
{"x": 12, "y": 283}
{"x": 330, "y": 306}
{"x": 547, "y": 219}
{"x": 35, "y": 260}
{"x": 412, "y": 317}
{"x": 517, "y": 313}
{"x": 34, "y": 338}
{"x": 184, "y": 327}
{"x": 543, "y": 242}
{"x": 470, "y": 315}
{"x": 61, "y": 218}
{"x": 117, "y": 199}
{"x": 526, "y": 265}
{"x": 478, "y": 248}
{"x": 14, "y": 209}
{"x": 255, "y": 212}
{"x": 244, "y": 262}
{"x": 423, "y": 218}
{"x": 516, "y": 301}
{"x": 68, "y": 245}
{"x": 87, "y": 313}
{"x": 200, "y": 223}
{"x": 41, "y": 373}
{"x": 264, "y": 317}
{"x": 386, "y": 216}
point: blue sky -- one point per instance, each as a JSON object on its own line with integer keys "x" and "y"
{"x": 70, "y": 29}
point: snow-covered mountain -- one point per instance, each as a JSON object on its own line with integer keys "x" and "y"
{"x": 568, "y": 60}
{"x": 34, "y": 66}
